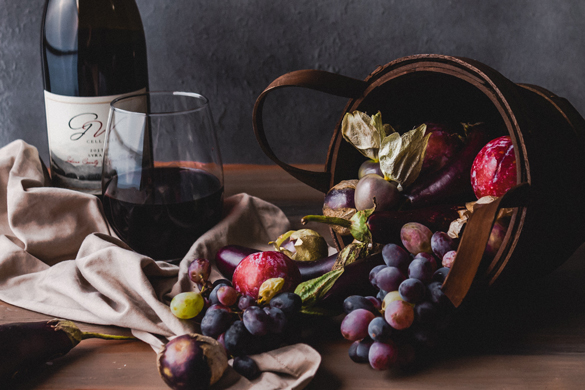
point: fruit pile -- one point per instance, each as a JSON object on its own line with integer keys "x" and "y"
{"x": 410, "y": 310}
{"x": 253, "y": 313}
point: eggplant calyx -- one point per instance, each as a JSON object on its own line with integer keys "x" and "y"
{"x": 357, "y": 224}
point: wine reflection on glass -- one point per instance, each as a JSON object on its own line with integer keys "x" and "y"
{"x": 162, "y": 181}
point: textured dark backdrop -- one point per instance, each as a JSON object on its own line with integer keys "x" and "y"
{"x": 230, "y": 50}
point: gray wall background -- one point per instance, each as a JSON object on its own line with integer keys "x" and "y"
{"x": 230, "y": 50}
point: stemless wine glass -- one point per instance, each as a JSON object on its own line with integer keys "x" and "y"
{"x": 162, "y": 182}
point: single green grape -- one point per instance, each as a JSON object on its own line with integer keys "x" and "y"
{"x": 187, "y": 305}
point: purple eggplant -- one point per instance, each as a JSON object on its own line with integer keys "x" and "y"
{"x": 24, "y": 345}
{"x": 452, "y": 182}
{"x": 228, "y": 258}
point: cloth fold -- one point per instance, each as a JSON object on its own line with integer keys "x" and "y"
{"x": 59, "y": 257}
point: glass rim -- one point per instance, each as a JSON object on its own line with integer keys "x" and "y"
{"x": 195, "y": 95}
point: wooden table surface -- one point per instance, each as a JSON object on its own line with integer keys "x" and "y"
{"x": 533, "y": 338}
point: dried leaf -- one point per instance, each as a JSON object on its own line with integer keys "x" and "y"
{"x": 269, "y": 288}
{"x": 365, "y": 133}
{"x": 401, "y": 157}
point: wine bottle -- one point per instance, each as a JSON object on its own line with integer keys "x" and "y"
{"x": 93, "y": 51}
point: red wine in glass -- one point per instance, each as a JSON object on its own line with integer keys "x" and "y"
{"x": 164, "y": 218}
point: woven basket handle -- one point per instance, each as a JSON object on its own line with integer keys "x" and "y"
{"x": 474, "y": 240}
{"x": 317, "y": 80}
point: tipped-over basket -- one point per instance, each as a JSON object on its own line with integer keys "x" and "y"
{"x": 548, "y": 221}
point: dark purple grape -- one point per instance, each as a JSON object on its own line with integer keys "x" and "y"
{"x": 246, "y": 367}
{"x": 441, "y": 243}
{"x": 389, "y": 278}
{"x": 416, "y": 237}
{"x": 381, "y": 294}
{"x": 396, "y": 256}
{"x": 227, "y": 295}
{"x": 370, "y": 166}
{"x": 422, "y": 269}
{"x": 441, "y": 274}
{"x": 199, "y": 271}
{"x": 448, "y": 259}
{"x": 359, "y": 350}
{"x": 412, "y": 290}
{"x": 237, "y": 339}
{"x": 437, "y": 296}
{"x": 373, "y": 273}
{"x": 373, "y": 186}
{"x": 289, "y": 302}
{"x": 256, "y": 321}
{"x": 426, "y": 313}
{"x": 379, "y": 329}
{"x": 355, "y": 325}
{"x": 245, "y": 301}
{"x": 277, "y": 317}
{"x": 426, "y": 337}
{"x": 213, "y": 295}
{"x": 431, "y": 258}
{"x": 215, "y": 322}
{"x": 382, "y": 356}
{"x": 354, "y": 302}
{"x": 375, "y": 301}
{"x": 221, "y": 281}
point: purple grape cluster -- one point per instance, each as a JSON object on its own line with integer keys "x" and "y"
{"x": 410, "y": 310}
{"x": 242, "y": 325}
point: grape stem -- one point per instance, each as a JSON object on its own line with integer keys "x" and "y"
{"x": 328, "y": 220}
{"x": 94, "y": 335}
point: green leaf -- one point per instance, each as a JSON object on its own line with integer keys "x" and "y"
{"x": 312, "y": 290}
{"x": 401, "y": 157}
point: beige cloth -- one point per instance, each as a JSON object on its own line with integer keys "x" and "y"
{"x": 58, "y": 257}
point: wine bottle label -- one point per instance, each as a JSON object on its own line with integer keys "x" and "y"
{"x": 76, "y": 129}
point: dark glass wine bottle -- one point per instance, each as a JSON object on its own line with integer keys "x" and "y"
{"x": 93, "y": 51}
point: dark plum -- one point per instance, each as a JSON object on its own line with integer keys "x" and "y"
{"x": 246, "y": 366}
{"x": 382, "y": 356}
{"x": 422, "y": 269}
{"x": 359, "y": 350}
{"x": 441, "y": 274}
{"x": 355, "y": 325}
{"x": 416, "y": 237}
{"x": 245, "y": 301}
{"x": 256, "y": 321}
{"x": 354, "y": 302}
{"x": 289, "y": 302}
{"x": 426, "y": 312}
{"x": 441, "y": 243}
{"x": 389, "y": 278}
{"x": 412, "y": 290}
{"x": 379, "y": 329}
{"x": 278, "y": 320}
{"x": 237, "y": 339}
{"x": 373, "y": 186}
{"x": 396, "y": 256}
{"x": 216, "y": 321}
{"x": 191, "y": 361}
{"x": 373, "y": 273}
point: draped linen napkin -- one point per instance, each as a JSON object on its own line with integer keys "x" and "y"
{"x": 59, "y": 257}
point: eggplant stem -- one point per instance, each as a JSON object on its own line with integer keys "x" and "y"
{"x": 94, "y": 335}
{"x": 328, "y": 220}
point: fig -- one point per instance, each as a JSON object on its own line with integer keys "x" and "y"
{"x": 191, "y": 361}
{"x": 493, "y": 171}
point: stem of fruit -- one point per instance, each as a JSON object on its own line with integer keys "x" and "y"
{"x": 93, "y": 335}
{"x": 328, "y": 220}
